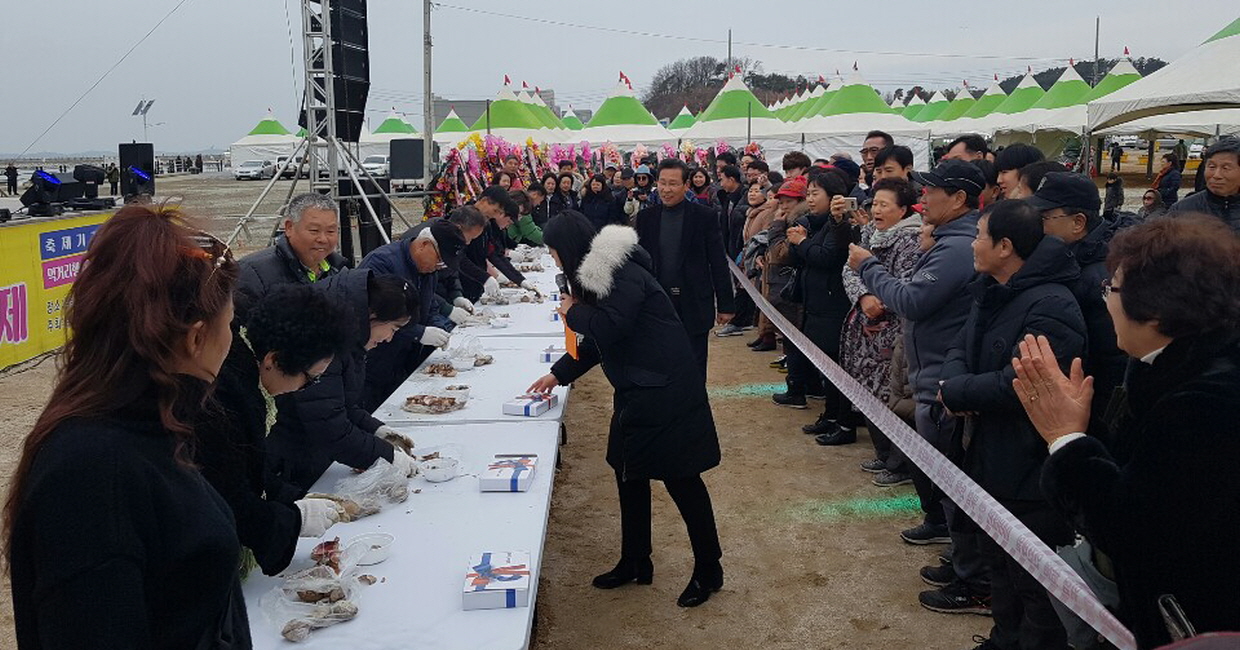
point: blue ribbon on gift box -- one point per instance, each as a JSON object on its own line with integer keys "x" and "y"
{"x": 486, "y": 573}
{"x": 518, "y": 465}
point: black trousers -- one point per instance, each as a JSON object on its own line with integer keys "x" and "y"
{"x": 1023, "y": 614}
{"x": 746, "y": 310}
{"x": 824, "y": 332}
{"x": 12, "y": 184}
{"x": 886, "y": 451}
{"x": 112, "y": 189}
{"x": 701, "y": 347}
{"x": 691, "y": 499}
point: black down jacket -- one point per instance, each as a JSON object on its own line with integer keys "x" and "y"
{"x": 662, "y": 426}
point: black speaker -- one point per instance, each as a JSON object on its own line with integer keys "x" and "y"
{"x": 352, "y": 207}
{"x": 350, "y": 69}
{"x": 137, "y": 163}
{"x": 91, "y": 177}
{"x": 405, "y": 159}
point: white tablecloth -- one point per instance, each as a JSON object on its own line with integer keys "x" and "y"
{"x": 436, "y": 531}
{"x": 516, "y": 366}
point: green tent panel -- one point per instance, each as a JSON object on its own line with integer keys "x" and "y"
{"x": 683, "y": 120}
{"x": 913, "y": 108}
{"x": 1069, "y": 90}
{"x": 734, "y": 100}
{"x": 507, "y": 112}
{"x": 856, "y": 96}
{"x": 959, "y": 106}
{"x": 269, "y": 126}
{"x": 571, "y": 121}
{"x": 1231, "y": 30}
{"x": 621, "y": 108}
{"x": 452, "y": 124}
{"x": 987, "y": 103}
{"x": 394, "y": 124}
{"x": 935, "y": 107}
{"x": 1121, "y": 75}
{"x": 1022, "y": 97}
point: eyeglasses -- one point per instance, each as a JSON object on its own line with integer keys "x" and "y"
{"x": 1108, "y": 289}
{"x": 870, "y": 150}
{"x": 311, "y": 380}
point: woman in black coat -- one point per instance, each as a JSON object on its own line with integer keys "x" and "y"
{"x": 661, "y": 426}
{"x": 1162, "y": 501}
{"x": 564, "y": 198}
{"x": 290, "y": 338}
{"x": 598, "y": 203}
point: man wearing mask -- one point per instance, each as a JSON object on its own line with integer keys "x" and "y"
{"x": 934, "y": 303}
{"x": 1069, "y": 207}
{"x": 305, "y": 253}
{"x": 1221, "y": 197}
{"x": 685, "y": 245}
{"x": 414, "y": 258}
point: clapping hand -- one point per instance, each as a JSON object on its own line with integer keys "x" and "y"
{"x": 857, "y": 255}
{"x": 1057, "y": 404}
{"x": 796, "y": 234}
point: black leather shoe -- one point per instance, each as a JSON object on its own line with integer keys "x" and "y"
{"x": 703, "y": 583}
{"x": 639, "y": 570}
{"x": 820, "y": 426}
{"x": 841, "y": 436}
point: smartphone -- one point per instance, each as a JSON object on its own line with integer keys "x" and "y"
{"x": 561, "y": 283}
{"x": 850, "y": 203}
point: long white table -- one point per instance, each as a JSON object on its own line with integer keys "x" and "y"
{"x": 436, "y": 531}
{"x": 516, "y": 366}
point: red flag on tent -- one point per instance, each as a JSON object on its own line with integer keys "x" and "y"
{"x": 524, "y": 86}
{"x": 1029, "y": 69}
{"x": 738, "y": 68}
{"x": 996, "y": 76}
{"x": 1125, "y": 50}
{"x": 622, "y": 77}
{"x": 507, "y": 80}
{"x": 1071, "y": 62}
{"x": 821, "y": 80}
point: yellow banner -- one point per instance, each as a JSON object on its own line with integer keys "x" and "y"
{"x": 41, "y": 260}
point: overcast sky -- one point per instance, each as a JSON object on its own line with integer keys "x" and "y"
{"x": 216, "y": 66}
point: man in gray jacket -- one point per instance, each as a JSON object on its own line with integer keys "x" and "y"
{"x": 934, "y": 305}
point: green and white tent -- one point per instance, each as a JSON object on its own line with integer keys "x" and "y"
{"x": 935, "y": 107}
{"x": 970, "y": 122}
{"x": 1204, "y": 78}
{"x": 571, "y": 121}
{"x": 855, "y": 108}
{"x": 1070, "y": 89}
{"x": 510, "y": 119}
{"x": 799, "y": 103}
{"x": 736, "y": 114}
{"x": 452, "y": 129}
{"x": 816, "y": 106}
{"x": 896, "y": 106}
{"x": 987, "y": 103}
{"x": 963, "y": 102}
{"x": 683, "y": 120}
{"x": 1061, "y": 109}
{"x": 1122, "y": 74}
{"x": 622, "y": 119}
{"x": 1023, "y": 96}
{"x": 268, "y": 140}
{"x": 540, "y": 110}
{"x": 394, "y": 127}
{"x": 913, "y": 107}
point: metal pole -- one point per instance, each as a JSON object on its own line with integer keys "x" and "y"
{"x": 748, "y": 123}
{"x": 266, "y": 190}
{"x": 729, "y": 68}
{"x": 387, "y": 195}
{"x": 428, "y": 106}
{"x": 488, "y": 117}
{"x": 1097, "y": 32}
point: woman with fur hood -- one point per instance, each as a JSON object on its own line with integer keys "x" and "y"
{"x": 661, "y": 426}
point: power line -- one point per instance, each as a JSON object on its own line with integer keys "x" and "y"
{"x": 102, "y": 77}
{"x": 698, "y": 39}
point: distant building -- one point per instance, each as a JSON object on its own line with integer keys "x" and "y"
{"x": 470, "y": 110}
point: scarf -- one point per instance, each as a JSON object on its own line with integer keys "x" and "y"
{"x": 882, "y": 238}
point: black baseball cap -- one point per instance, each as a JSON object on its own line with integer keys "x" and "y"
{"x": 626, "y": 173}
{"x": 955, "y": 176}
{"x": 449, "y": 240}
{"x": 1065, "y": 190}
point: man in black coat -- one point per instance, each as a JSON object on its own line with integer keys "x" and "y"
{"x": 1221, "y": 196}
{"x": 731, "y": 193}
{"x": 1023, "y": 289}
{"x": 500, "y": 210}
{"x": 1069, "y": 205}
{"x": 686, "y": 248}
{"x": 415, "y": 258}
{"x": 304, "y": 254}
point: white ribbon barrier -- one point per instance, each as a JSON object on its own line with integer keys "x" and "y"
{"x": 1036, "y": 557}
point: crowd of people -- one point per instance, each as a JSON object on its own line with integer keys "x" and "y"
{"x": 1081, "y": 364}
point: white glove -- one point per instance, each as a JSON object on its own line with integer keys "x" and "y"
{"x": 404, "y": 463}
{"x": 464, "y": 303}
{"x": 317, "y": 515}
{"x": 458, "y": 315}
{"x": 399, "y": 440}
{"x": 491, "y": 287}
{"x": 434, "y": 337}
{"x": 528, "y": 286}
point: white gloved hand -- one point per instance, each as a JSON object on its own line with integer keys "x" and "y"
{"x": 491, "y": 287}
{"x": 528, "y": 286}
{"x": 404, "y": 463}
{"x": 317, "y": 515}
{"x": 401, "y": 441}
{"x": 464, "y": 303}
{"x": 435, "y": 337}
{"x": 458, "y": 315}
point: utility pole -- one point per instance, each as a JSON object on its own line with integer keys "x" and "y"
{"x": 428, "y": 106}
{"x": 1097, "y": 31}
{"x": 729, "y": 66}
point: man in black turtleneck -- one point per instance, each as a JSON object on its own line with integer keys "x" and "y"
{"x": 685, "y": 244}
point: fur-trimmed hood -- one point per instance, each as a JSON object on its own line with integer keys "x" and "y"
{"x": 609, "y": 250}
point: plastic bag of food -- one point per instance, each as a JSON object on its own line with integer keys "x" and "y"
{"x": 308, "y": 600}
{"x": 382, "y": 483}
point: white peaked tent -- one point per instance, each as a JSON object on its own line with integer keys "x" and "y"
{"x": 1207, "y": 123}
{"x": 511, "y": 120}
{"x": 379, "y": 141}
{"x": 268, "y": 140}
{"x": 971, "y": 121}
{"x": 683, "y": 120}
{"x": 622, "y": 119}
{"x": 735, "y": 114}
{"x": 1062, "y": 108}
{"x": 1203, "y": 78}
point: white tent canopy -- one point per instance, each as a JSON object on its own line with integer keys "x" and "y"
{"x": 1203, "y": 78}
{"x": 1207, "y": 123}
{"x": 267, "y": 141}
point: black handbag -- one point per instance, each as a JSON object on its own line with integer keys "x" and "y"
{"x": 791, "y": 292}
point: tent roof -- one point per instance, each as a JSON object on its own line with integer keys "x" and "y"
{"x": 935, "y": 107}
{"x": 1025, "y": 94}
{"x": 828, "y": 93}
{"x": 913, "y": 107}
{"x": 508, "y": 112}
{"x": 1121, "y": 75}
{"x": 959, "y": 106}
{"x": 571, "y": 121}
{"x": 796, "y": 110}
{"x": 683, "y": 120}
{"x": 1220, "y": 121}
{"x": 733, "y": 101}
{"x": 452, "y": 124}
{"x": 269, "y": 125}
{"x": 987, "y": 103}
{"x": 1069, "y": 90}
{"x": 856, "y": 96}
{"x": 1195, "y": 81}
{"x": 622, "y": 108}
{"x": 395, "y": 124}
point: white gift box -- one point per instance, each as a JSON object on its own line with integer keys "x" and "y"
{"x": 531, "y": 405}
{"x": 509, "y": 473}
{"x": 498, "y": 581}
{"x": 551, "y": 354}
